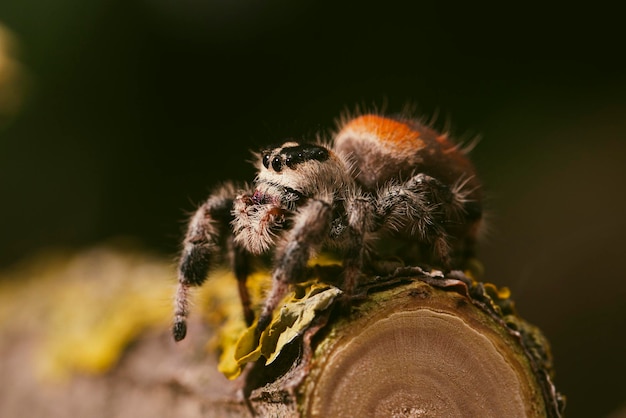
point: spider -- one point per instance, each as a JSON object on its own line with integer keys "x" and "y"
{"x": 384, "y": 178}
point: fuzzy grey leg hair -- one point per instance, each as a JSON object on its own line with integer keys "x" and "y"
{"x": 422, "y": 205}
{"x": 210, "y": 222}
{"x": 359, "y": 210}
{"x": 310, "y": 228}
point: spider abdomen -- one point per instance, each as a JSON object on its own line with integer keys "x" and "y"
{"x": 385, "y": 149}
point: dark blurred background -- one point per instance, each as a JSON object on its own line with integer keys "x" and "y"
{"x": 121, "y": 115}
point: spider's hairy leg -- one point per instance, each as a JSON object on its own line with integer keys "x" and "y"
{"x": 423, "y": 208}
{"x": 240, "y": 263}
{"x": 460, "y": 211}
{"x": 470, "y": 196}
{"x": 210, "y": 222}
{"x": 310, "y": 227}
{"x": 359, "y": 210}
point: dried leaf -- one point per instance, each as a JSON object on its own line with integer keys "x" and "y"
{"x": 299, "y": 309}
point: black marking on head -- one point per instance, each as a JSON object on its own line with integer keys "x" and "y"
{"x": 292, "y": 155}
{"x": 306, "y": 152}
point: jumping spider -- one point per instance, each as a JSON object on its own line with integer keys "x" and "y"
{"x": 384, "y": 178}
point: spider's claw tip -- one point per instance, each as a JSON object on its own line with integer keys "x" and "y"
{"x": 179, "y": 330}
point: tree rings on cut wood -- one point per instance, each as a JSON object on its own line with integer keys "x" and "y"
{"x": 420, "y": 347}
{"x": 438, "y": 357}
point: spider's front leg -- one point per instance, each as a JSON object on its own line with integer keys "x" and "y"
{"x": 310, "y": 228}
{"x": 209, "y": 225}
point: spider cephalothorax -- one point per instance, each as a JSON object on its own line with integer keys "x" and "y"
{"x": 391, "y": 178}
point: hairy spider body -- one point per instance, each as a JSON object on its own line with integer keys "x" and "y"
{"x": 392, "y": 150}
{"x": 384, "y": 177}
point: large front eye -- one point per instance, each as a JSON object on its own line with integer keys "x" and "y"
{"x": 277, "y": 164}
{"x": 266, "y": 160}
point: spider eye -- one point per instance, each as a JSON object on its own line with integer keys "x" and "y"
{"x": 266, "y": 160}
{"x": 277, "y": 164}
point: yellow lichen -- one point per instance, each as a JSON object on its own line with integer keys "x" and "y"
{"x": 84, "y": 309}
